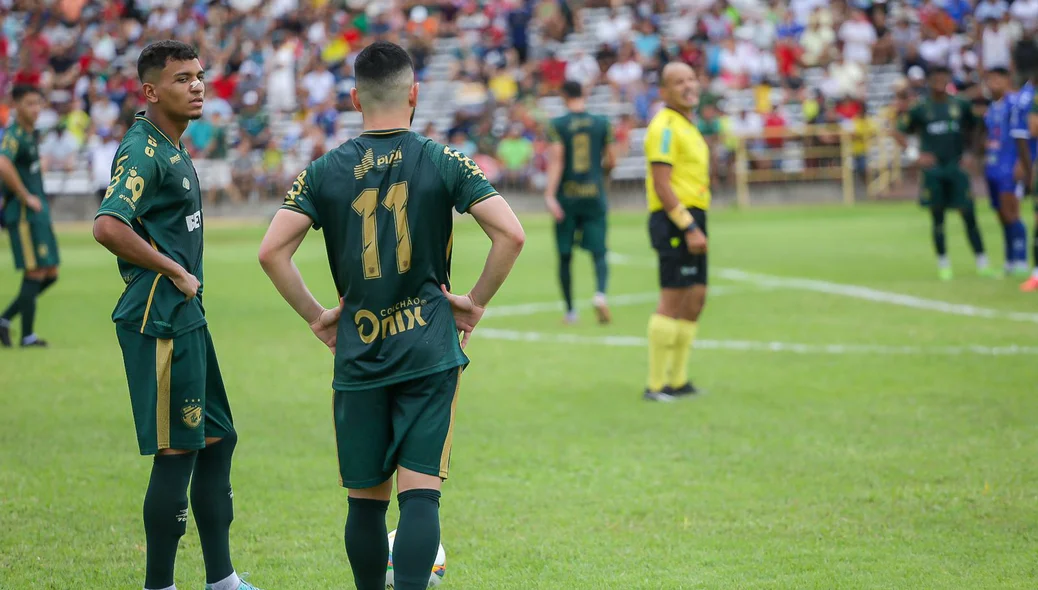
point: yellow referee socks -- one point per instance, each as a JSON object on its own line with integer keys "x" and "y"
{"x": 686, "y": 335}
{"x": 663, "y": 335}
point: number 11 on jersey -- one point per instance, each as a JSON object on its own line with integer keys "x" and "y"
{"x": 366, "y": 205}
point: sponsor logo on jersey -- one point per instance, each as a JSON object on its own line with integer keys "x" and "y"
{"x": 395, "y": 319}
{"x": 367, "y": 162}
{"x": 194, "y": 221}
{"x": 175, "y": 159}
{"x": 187, "y": 184}
{"x": 393, "y": 158}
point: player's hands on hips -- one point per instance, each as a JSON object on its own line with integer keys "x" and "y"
{"x": 34, "y": 203}
{"x": 326, "y": 326}
{"x": 187, "y": 283}
{"x": 696, "y": 241}
{"x": 926, "y": 160}
{"x": 466, "y": 313}
{"x": 554, "y": 208}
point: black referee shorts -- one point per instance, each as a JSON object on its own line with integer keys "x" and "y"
{"x": 679, "y": 268}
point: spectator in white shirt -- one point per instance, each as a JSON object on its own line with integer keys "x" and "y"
{"x": 319, "y": 83}
{"x": 101, "y": 151}
{"x": 624, "y": 73}
{"x": 816, "y": 41}
{"x": 995, "y": 46}
{"x": 858, "y": 36}
{"x": 611, "y": 30}
{"x": 1026, "y": 13}
{"x": 990, "y": 9}
{"x": 934, "y": 49}
{"x": 583, "y": 68}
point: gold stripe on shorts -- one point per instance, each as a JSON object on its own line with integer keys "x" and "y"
{"x": 163, "y": 378}
{"x": 25, "y": 237}
{"x": 445, "y": 455}
{"x": 151, "y": 294}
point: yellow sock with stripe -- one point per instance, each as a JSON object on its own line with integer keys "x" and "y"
{"x": 686, "y": 335}
{"x": 663, "y": 334}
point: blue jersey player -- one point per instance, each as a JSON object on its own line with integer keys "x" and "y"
{"x": 1025, "y": 57}
{"x": 999, "y": 161}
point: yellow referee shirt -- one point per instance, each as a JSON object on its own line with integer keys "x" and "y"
{"x": 672, "y": 139}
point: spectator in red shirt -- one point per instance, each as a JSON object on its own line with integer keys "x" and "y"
{"x": 553, "y": 74}
{"x": 787, "y": 54}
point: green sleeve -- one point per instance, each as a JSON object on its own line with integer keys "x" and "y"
{"x": 300, "y": 197}
{"x": 906, "y": 122}
{"x": 465, "y": 182}
{"x": 10, "y": 145}
{"x": 136, "y": 177}
{"x": 553, "y": 131}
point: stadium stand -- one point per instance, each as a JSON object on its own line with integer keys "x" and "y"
{"x": 279, "y": 76}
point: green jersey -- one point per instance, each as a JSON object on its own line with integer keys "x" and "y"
{"x": 942, "y": 127}
{"x": 20, "y": 147}
{"x": 385, "y": 201}
{"x": 584, "y": 138}
{"x": 154, "y": 190}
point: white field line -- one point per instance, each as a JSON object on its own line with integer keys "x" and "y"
{"x": 752, "y": 346}
{"x": 854, "y": 291}
{"x": 522, "y": 309}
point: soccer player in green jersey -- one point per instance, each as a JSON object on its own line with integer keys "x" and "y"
{"x": 944, "y": 125}
{"x": 579, "y": 157}
{"x": 151, "y": 219}
{"x": 25, "y": 212}
{"x": 386, "y": 201}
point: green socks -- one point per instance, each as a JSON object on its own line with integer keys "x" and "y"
{"x": 417, "y": 539}
{"x": 367, "y": 545}
{"x": 165, "y": 515}
{"x": 601, "y": 272}
{"x": 212, "y": 501}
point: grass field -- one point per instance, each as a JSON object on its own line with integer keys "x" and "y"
{"x": 868, "y": 428}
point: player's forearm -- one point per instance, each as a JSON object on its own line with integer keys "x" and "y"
{"x": 12, "y": 180}
{"x": 290, "y": 284}
{"x": 666, "y": 195}
{"x": 121, "y": 240}
{"x": 503, "y": 253}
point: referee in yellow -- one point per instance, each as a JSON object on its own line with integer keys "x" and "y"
{"x": 678, "y": 188}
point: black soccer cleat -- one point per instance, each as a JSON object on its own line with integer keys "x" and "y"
{"x": 5, "y": 336}
{"x": 686, "y": 390}
{"x": 657, "y": 396}
{"x": 38, "y": 343}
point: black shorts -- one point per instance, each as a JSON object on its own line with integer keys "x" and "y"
{"x": 679, "y": 268}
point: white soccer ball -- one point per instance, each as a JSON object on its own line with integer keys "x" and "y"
{"x": 438, "y": 570}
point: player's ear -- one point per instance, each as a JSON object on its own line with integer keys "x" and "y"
{"x": 355, "y": 99}
{"x": 412, "y": 96}
{"x": 150, "y": 92}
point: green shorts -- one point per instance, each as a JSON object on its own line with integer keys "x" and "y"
{"x": 410, "y": 424}
{"x": 33, "y": 243}
{"x": 583, "y": 228}
{"x": 946, "y": 188}
{"x": 176, "y": 390}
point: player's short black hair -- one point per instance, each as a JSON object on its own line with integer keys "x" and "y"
{"x": 1001, "y": 71}
{"x": 1025, "y": 56}
{"x": 158, "y": 54}
{"x": 379, "y": 63}
{"x": 572, "y": 89}
{"x": 20, "y": 91}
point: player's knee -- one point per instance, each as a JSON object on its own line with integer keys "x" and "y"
{"x": 382, "y": 491}
{"x": 36, "y": 275}
{"x": 407, "y": 479}
{"x": 165, "y": 452}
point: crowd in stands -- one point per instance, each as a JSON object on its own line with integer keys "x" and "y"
{"x": 289, "y": 61}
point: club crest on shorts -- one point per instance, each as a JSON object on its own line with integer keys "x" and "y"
{"x": 191, "y": 414}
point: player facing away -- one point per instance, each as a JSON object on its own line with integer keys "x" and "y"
{"x": 943, "y": 124}
{"x": 1000, "y": 160}
{"x": 1025, "y": 132}
{"x": 151, "y": 219}
{"x": 386, "y": 201}
{"x": 580, "y": 156}
{"x": 678, "y": 189}
{"x": 26, "y": 214}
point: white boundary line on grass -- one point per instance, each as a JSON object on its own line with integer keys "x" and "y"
{"x": 752, "y": 346}
{"x": 853, "y": 291}
{"x": 522, "y": 309}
